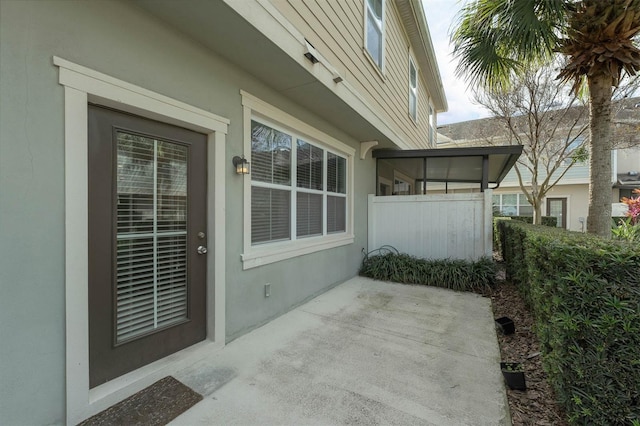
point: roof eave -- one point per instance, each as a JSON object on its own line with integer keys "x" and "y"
{"x": 512, "y": 153}
{"x": 415, "y": 19}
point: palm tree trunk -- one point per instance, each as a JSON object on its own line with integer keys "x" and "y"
{"x": 599, "y": 216}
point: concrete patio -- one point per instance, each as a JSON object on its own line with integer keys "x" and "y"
{"x": 365, "y": 352}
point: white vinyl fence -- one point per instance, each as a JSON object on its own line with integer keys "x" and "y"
{"x": 454, "y": 226}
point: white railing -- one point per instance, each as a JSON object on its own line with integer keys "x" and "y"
{"x": 442, "y": 226}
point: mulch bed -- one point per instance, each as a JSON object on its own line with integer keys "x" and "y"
{"x": 537, "y": 405}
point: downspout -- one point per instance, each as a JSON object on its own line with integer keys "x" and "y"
{"x": 485, "y": 173}
{"x": 424, "y": 176}
{"x": 377, "y": 178}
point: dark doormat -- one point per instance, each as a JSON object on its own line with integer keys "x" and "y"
{"x": 157, "y": 404}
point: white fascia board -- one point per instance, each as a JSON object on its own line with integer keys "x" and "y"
{"x": 273, "y": 25}
{"x": 427, "y": 45}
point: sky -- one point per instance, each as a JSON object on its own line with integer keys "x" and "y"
{"x": 440, "y": 15}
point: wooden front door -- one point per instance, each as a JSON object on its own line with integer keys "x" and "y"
{"x": 147, "y": 241}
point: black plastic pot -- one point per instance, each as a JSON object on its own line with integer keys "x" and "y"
{"x": 506, "y": 325}
{"x": 513, "y": 375}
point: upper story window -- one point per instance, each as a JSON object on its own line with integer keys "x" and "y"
{"x": 299, "y": 193}
{"x": 374, "y": 30}
{"x": 413, "y": 90}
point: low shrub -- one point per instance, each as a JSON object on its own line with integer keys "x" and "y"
{"x": 551, "y": 221}
{"x": 629, "y": 227}
{"x": 626, "y": 230}
{"x": 544, "y": 220}
{"x": 459, "y": 275}
{"x": 584, "y": 292}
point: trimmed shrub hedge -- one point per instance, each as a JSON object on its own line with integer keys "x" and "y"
{"x": 585, "y": 295}
{"x": 459, "y": 275}
{"x": 551, "y": 221}
{"x": 545, "y": 220}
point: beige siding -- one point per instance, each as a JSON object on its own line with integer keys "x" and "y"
{"x": 336, "y": 29}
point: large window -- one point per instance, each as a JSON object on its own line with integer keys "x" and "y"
{"x": 298, "y": 188}
{"x": 413, "y": 90}
{"x": 298, "y": 196}
{"x": 374, "y": 30}
{"x": 512, "y": 205}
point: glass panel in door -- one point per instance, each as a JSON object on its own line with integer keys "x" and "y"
{"x": 151, "y": 290}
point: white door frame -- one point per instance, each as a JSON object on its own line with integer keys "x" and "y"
{"x": 81, "y": 86}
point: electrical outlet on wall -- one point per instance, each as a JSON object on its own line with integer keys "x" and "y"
{"x": 267, "y": 290}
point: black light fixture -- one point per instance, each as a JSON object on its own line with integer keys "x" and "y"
{"x": 241, "y": 164}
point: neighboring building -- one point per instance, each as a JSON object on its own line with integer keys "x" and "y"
{"x": 569, "y": 199}
{"x": 130, "y": 245}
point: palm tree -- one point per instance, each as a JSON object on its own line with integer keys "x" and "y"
{"x": 495, "y": 39}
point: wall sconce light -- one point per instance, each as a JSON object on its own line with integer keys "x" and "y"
{"x": 241, "y": 164}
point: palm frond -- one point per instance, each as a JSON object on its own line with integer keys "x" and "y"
{"x": 495, "y": 38}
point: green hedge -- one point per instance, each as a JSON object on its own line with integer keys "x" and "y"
{"x": 459, "y": 275}
{"x": 545, "y": 220}
{"x": 551, "y": 221}
{"x": 585, "y": 295}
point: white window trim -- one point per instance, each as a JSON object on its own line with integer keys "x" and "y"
{"x": 263, "y": 254}
{"x": 380, "y": 68}
{"x": 81, "y": 86}
{"x": 413, "y": 91}
{"x": 519, "y": 196}
{"x": 385, "y": 181}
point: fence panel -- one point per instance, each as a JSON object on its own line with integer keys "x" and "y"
{"x": 455, "y": 226}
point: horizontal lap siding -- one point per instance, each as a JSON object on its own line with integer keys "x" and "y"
{"x": 336, "y": 30}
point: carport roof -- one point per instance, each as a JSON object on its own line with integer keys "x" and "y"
{"x": 482, "y": 165}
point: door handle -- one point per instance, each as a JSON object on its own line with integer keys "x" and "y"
{"x": 202, "y": 250}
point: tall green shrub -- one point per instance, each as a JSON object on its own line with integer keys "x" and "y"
{"x": 585, "y": 295}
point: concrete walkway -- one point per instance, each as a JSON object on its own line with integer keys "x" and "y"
{"x": 365, "y": 352}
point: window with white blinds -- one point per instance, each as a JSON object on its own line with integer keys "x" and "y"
{"x": 151, "y": 287}
{"x": 374, "y": 31}
{"x": 298, "y": 186}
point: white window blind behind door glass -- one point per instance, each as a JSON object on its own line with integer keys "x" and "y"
{"x": 151, "y": 288}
